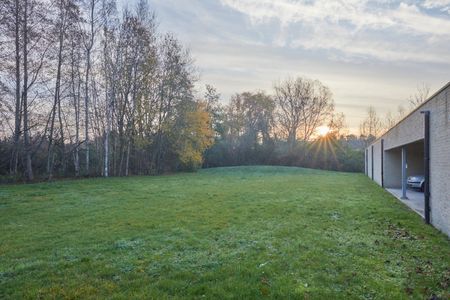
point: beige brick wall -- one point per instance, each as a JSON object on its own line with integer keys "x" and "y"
{"x": 369, "y": 162}
{"x": 393, "y": 168}
{"x": 377, "y": 162}
{"x": 410, "y": 130}
{"x": 440, "y": 161}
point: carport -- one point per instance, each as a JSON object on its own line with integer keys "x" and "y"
{"x": 400, "y": 163}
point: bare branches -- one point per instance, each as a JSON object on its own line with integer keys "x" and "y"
{"x": 371, "y": 127}
{"x": 303, "y": 105}
{"x": 420, "y": 96}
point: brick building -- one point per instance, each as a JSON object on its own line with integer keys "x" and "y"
{"x": 419, "y": 145}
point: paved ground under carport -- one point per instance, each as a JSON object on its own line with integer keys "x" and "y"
{"x": 415, "y": 199}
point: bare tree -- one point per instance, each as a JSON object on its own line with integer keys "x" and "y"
{"x": 18, "y": 106}
{"x": 65, "y": 16}
{"x": 109, "y": 68}
{"x": 22, "y": 28}
{"x": 11, "y": 12}
{"x": 18, "y": 99}
{"x": 26, "y": 128}
{"x": 303, "y": 105}
{"x": 338, "y": 125}
{"x": 420, "y": 96}
{"x": 93, "y": 25}
{"x": 391, "y": 119}
{"x": 371, "y": 127}
{"x": 75, "y": 82}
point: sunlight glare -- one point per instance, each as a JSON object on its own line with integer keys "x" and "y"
{"x": 323, "y": 130}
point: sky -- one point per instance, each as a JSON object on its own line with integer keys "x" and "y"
{"x": 369, "y": 53}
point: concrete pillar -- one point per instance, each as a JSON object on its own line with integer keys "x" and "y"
{"x": 404, "y": 167}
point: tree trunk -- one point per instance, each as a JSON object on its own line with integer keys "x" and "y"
{"x": 86, "y": 83}
{"x": 114, "y": 154}
{"x": 107, "y": 132}
{"x": 57, "y": 98}
{"x": 292, "y": 138}
{"x": 27, "y": 146}
{"x": 61, "y": 136}
{"x": 127, "y": 164}
{"x": 86, "y": 109}
{"x": 56, "y": 104}
{"x": 18, "y": 114}
{"x": 76, "y": 105}
{"x": 121, "y": 153}
{"x": 50, "y": 140}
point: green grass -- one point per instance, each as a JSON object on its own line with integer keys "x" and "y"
{"x": 247, "y": 232}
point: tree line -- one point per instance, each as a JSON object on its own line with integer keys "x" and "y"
{"x": 86, "y": 90}
{"x": 373, "y": 126}
{"x": 282, "y": 128}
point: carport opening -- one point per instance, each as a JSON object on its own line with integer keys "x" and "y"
{"x": 415, "y": 169}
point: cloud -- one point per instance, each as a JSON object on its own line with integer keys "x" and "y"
{"x": 358, "y": 29}
{"x": 436, "y": 3}
{"x": 367, "y": 52}
{"x": 290, "y": 11}
{"x": 443, "y": 5}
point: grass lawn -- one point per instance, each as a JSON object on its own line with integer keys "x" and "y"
{"x": 245, "y": 232}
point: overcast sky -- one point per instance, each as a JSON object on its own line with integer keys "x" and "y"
{"x": 367, "y": 52}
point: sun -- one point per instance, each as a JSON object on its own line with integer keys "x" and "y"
{"x": 323, "y": 130}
